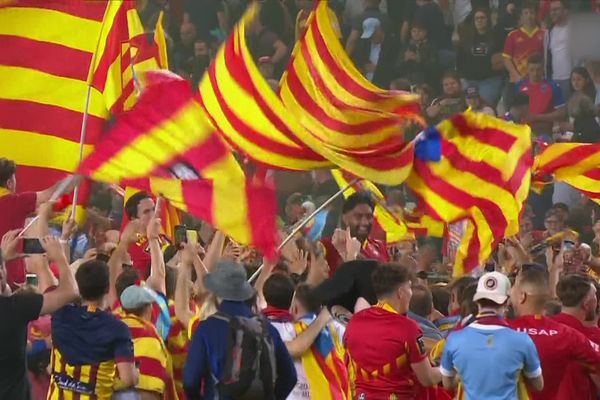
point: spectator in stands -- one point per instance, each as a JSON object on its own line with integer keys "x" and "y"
{"x": 18, "y": 310}
{"x": 519, "y": 109}
{"x": 456, "y": 288}
{"x": 487, "y": 354}
{"x": 429, "y": 14}
{"x": 581, "y": 110}
{"x": 519, "y": 46}
{"x": 452, "y": 100}
{"x": 418, "y": 60}
{"x": 209, "y": 18}
{"x": 304, "y": 9}
{"x": 508, "y": 17}
{"x": 363, "y": 30}
{"x": 476, "y": 103}
{"x": 420, "y": 309}
{"x": 345, "y": 245}
{"x": 184, "y": 49}
{"x": 92, "y": 339}
{"x": 374, "y": 54}
{"x": 557, "y": 43}
{"x": 558, "y": 345}
{"x": 200, "y": 62}
{"x": 140, "y": 207}
{"x": 267, "y": 35}
{"x": 15, "y": 208}
{"x": 228, "y": 283}
{"x": 479, "y": 58}
{"x": 546, "y": 104}
{"x": 381, "y": 335}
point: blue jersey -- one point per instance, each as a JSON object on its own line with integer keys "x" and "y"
{"x": 489, "y": 360}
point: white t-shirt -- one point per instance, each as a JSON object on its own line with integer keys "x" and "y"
{"x": 287, "y": 332}
{"x": 373, "y": 59}
{"x": 561, "y": 56}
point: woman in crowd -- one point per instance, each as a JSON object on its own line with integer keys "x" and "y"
{"x": 581, "y": 109}
{"x": 479, "y": 58}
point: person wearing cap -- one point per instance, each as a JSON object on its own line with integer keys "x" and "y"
{"x": 228, "y": 282}
{"x": 476, "y": 103}
{"x": 375, "y": 54}
{"x": 488, "y": 355}
{"x": 519, "y": 109}
{"x": 558, "y": 345}
{"x": 151, "y": 355}
{"x": 361, "y": 29}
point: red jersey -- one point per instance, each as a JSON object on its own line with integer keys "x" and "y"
{"x": 558, "y": 346}
{"x": 544, "y": 96}
{"x": 521, "y": 44}
{"x": 372, "y": 249}
{"x": 380, "y": 369}
{"x": 591, "y": 332}
{"x": 140, "y": 255}
{"x": 15, "y": 209}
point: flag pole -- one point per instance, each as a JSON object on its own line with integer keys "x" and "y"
{"x": 305, "y": 221}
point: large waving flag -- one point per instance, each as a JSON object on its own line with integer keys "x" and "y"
{"x": 166, "y": 145}
{"x": 338, "y": 105}
{"x": 254, "y": 120}
{"x": 577, "y": 164}
{"x": 483, "y": 176}
{"x": 324, "y": 364}
{"x": 51, "y": 50}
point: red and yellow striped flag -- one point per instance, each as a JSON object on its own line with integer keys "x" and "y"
{"x": 483, "y": 176}
{"x": 165, "y": 144}
{"x": 577, "y": 164}
{"x": 339, "y": 106}
{"x": 254, "y": 120}
{"x": 50, "y": 51}
{"x": 151, "y": 54}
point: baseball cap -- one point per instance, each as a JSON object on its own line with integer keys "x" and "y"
{"x": 472, "y": 92}
{"x": 493, "y": 286}
{"x": 369, "y": 27}
{"x": 137, "y": 296}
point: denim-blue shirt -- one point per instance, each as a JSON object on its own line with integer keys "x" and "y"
{"x": 206, "y": 356}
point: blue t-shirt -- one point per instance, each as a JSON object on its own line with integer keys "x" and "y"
{"x": 489, "y": 359}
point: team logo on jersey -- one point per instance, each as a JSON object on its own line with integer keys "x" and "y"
{"x": 421, "y": 345}
{"x": 490, "y": 283}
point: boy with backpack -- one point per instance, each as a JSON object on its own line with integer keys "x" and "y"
{"x": 236, "y": 354}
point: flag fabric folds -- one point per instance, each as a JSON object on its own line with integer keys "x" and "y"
{"x": 577, "y": 164}
{"x": 483, "y": 176}
{"x": 167, "y": 146}
{"x": 51, "y": 50}
{"x": 254, "y": 120}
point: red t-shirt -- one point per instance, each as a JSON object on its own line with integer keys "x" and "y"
{"x": 520, "y": 45}
{"x": 381, "y": 367}
{"x": 372, "y": 249}
{"x": 14, "y": 209}
{"x": 558, "y": 346}
{"x": 544, "y": 96}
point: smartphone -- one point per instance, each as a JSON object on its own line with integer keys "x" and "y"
{"x": 32, "y": 246}
{"x": 31, "y": 279}
{"x": 180, "y": 235}
{"x": 191, "y": 236}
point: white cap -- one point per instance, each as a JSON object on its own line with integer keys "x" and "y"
{"x": 493, "y": 286}
{"x": 369, "y": 27}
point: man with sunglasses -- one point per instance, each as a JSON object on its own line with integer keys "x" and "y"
{"x": 559, "y": 347}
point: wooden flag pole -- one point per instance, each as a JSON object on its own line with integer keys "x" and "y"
{"x": 305, "y": 221}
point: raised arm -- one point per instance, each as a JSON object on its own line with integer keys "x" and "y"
{"x": 157, "y": 279}
{"x": 304, "y": 340}
{"x": 182, "y": 291}
{"x": 115, "y": 262}
{"x": 214, "y": 250}
{"x": 67, "y": 290}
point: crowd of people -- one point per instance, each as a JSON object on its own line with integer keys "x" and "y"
{"x": 115, "y": 308}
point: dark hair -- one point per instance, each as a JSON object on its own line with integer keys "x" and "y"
{"x": 534, "y": 276}
{"x": 171, "y": 281}
{"x": 305, "y": 296}
{"x": 279, "y": 290}
{"x": 451, "y": 75}
{"x": 271, "y": 16}
{"x": 589, "y": 89}
{"x": 572, "y": 289}
{"x": 131, "y": 205}
{"x": 128, "y": 277}
{"x": 537, "y": 59}
{"x": 387, "y": 278}
{"x": 421, "y": 302}
{"x": 528, "y": 5}
{"x": 560, "y": 206}
{"x": 520, "y": 99}
{"x": 441, "y": 299}
{"x": 467, "y": 304}
{"x": 468, "y": 34}
{"x": 552, "y": 307}
{"x": 487, "y": 303}
{"x": 460, "y": 284}
{"x": 419, "y": 24}
{"x": 357, "y": 199}
{"x": 555, "y": 212}
{"x": 92, "y": 280}
{"x": 7, "y": 169}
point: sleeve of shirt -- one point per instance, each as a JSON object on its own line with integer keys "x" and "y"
{"x": 447, "y": 365}
{"x": 557, "y": 96}
{"x": 286, "y": 372}
{"x": 509, "y": 46}
{"x": 195, "y": 365}
{"x": 416, "y": 346}
{"x": 123, "y": 344}
{"x": 27, "y": 307}
{"x": 26, "y": 202}
{"x": 532, "y": 367}
{"x": 581, "y": 348}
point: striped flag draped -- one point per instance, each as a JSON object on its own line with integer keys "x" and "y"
{"x": 46, "y": 62}
{"x": 483, "y": 176}
{"x": 577, "y": 164}
{"x": 167, "y": 146}
{"x": 254, "y": 120}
